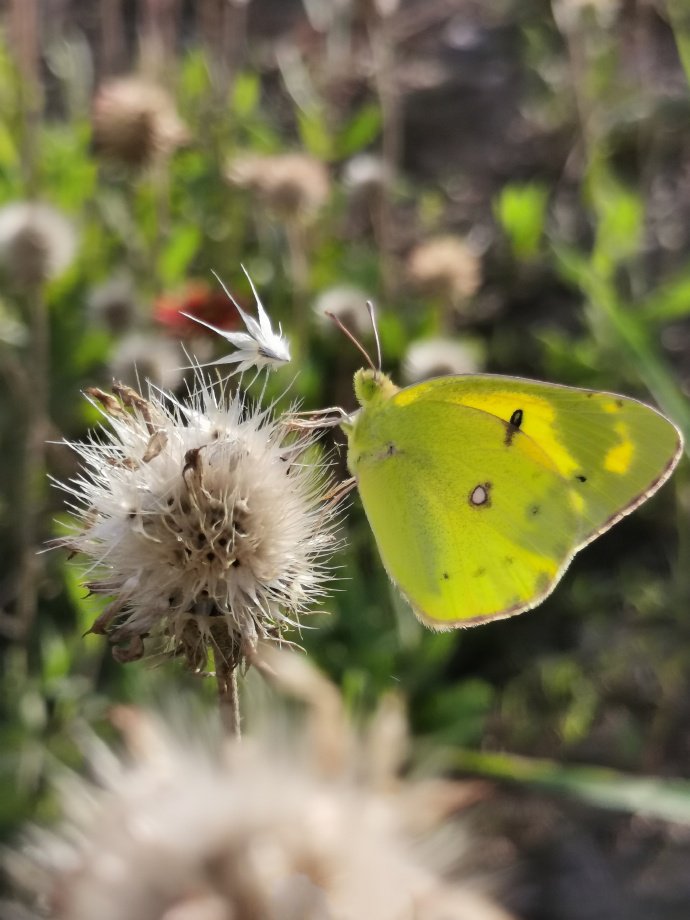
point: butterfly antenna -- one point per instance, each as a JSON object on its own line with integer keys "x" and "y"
{"x": 375, "y": 327}
{"x": 355, "y": 341}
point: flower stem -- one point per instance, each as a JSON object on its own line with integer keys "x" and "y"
{"x": 228, "y": 696}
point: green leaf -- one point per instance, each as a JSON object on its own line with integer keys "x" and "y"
{"x": 57, "y": 660}
{"x": 670, "y": 301}
{"x": 315, "y": 136}
{"x": 521, "y": 212}
{"x": 679, "y": 16}
{"x": 9, "y": 156}
{"x": 178, "y": 253}
{"x": 245, "y": 94}
{"x": 195, "y": 79}
{"x": 458, "y": 714}
{"x": 646, "y": 795}
{"x": 362, "y": 129}
{"x": 88, "y": 606}
{"x": 619, "y": 216}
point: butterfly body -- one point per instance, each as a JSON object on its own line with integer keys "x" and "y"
{"x": 480, "y": 489}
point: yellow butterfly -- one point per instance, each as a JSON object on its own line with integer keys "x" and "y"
{"x": 481, "y": 489}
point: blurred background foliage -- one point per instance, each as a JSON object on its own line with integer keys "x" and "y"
{"x": 510, "y": 184}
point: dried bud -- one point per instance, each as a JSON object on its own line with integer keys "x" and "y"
{"x": 135, "y": 121}
{"x": 37, "y": 242}
{"x": 365, "y": 174}
{"x": 113, "y": 306}
{"x": 348, "y": 304}
{"x": 445, "y": 266}
{"x": 435, "y": 357}
{"x": 141, "y": 356}
{"x": 293, "y": 185}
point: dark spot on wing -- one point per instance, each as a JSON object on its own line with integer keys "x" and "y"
{"x": 479, "y": 573}
{"x": 391, "y": 449}
{"x": 508, "y": 560}
{"x": 619, "y": 403}
{"x": 581, "y": 478}
{"x": 446, "y": 576}
{"x": 513, "y": 427}
{"x": 534, "y": 509}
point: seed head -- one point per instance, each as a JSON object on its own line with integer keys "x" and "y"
{"x": 348, "y": 304}
{"x": 256, "y": 831}
{"x": 435, "y": 357}
{"x": 446, "y": 267}
{"x": 112, "y": 305}
{"x": 37, "y": 242}
{"x": 366, "y": 174}
{"x": 144, "y": 356}
{"x": 134, "y": 121}
{"x": 293, "y": 185}
{"x": 206, "y": 523}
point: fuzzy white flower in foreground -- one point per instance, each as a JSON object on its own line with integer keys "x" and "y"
{"x": 259, "y": 346}
{"x": 319, "y": 830}
{"x": 208, "y": 523}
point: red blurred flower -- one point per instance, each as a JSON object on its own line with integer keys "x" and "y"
{"x": 198, "y": 299}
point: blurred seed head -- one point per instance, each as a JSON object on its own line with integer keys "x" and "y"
{"x": 578, "y": 14}
{"x": 447, "y": 267}
{"x": 141, "y": 356}
{"x": 112, "y": 305}
{"x": 365, "y": 174}
{"x": 185, "y": 829}
{"x": 207, "y": 523}
{"x": 37, "y": 243}
{"x": 439, "y": 356}
{"x": 348, "y": 304}
{"x": 135, "y": 121}
{"x": 293, "y": 185}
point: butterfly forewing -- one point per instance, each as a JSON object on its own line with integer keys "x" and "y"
{"x": 614, "y": 451}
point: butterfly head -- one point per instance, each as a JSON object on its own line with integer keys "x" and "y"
{"x": 372, "y": 386}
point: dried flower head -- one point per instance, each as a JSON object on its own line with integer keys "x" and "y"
{"x": 134, "y": 121}
{"x": 188, "y": 830}
{"x": 113, "y": 304}
{"x": 578, "y": 14}
{"x": 348, "y": 304}
{"x": 435, "y": 357}
{"x": 293, "y": 185}
{"x": 365, "y": 174}
{"x": 206, "y": 523}
{"x": 37, "y": 242}
{"x": 447, "y": 267}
